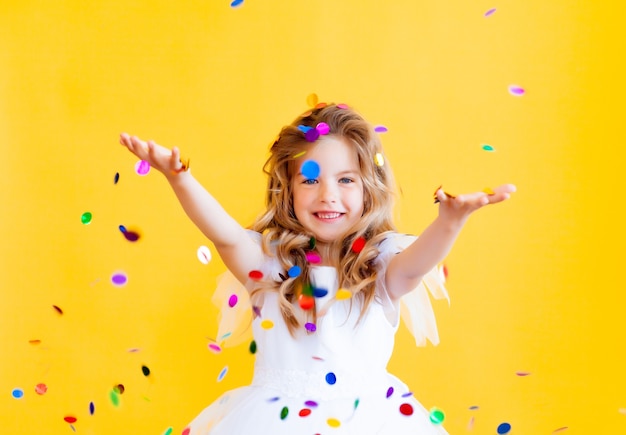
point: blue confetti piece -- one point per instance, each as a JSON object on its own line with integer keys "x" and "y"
{"x": 310, "y": 169}
{"x": 331, "y": 379}
{"x": 236, "y": 3}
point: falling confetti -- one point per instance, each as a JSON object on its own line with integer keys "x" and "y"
{"x": 310, "y": 327}
{"x": 561, "y": 429}
{"x": 168, "y": 431}
{"x": 86, "y": 217}
{"x": 142, "y": 167}
{"x": 358, "y": 245}
{"x": 343, "y": 294}
{"x": 490, "y": 12}
{"x": 119, "y": 279}
{"x": 214, "y": 347}
{"x": 522, "y": 373}
{"x": 220, "y": 377}
{"x": 41, "y": 389}
{"x": 304, "y": 412}
{"x": 470, "y": 423}
{"x": 284, "y": 413}
{"x": 379, "y": 160}
{"x": 145, "y": 370}
{"x": 232, "y": 301}
{"x": 406, "y": 409}
{"x": 131, "y": 236}
{"x": 267, "y": 324}
{"x": 116, "y": 178}
{"x": 333, "y": 422}
{"x": 312, "y": 100}
{"x": 252, "y": 347}
{"x": 516, "y": 90}
{"x": 389, "y": 392}
{"x": 70, "y": 419}
{"x": 58, "y": 310}
{"x": 380, "y": 129}
{"x": 17, "y": 393}
{"x": 436, "y": 416}
{"x": 311, "y": 403}
{"x": 114, "y": 397}
{"x": 204, "y": 255}
{"x": 487, "y": 147}
{"x": 503, "y": 428}
{"x": 92, "y": 408}
{"x": 331, "y": 378}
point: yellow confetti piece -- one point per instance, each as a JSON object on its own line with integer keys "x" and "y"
{"x": 267, "y": 324}
{"x": 343, "y": 294}
{"x": 312, "y": 100}
{"x": 488, "y": 191}
{"x": 379, "y": 159}
{"x": 300, "y": 154}
{"x": 333, "y": 422}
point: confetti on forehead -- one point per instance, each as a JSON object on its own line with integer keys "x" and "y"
{"x": 310, "y": 169}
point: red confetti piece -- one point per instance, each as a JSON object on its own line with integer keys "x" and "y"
{"x": 358, "y": 244}
{"x": 522, "y": 373}
{"x": 306, "y": 302}
{"x": 41, "y": 389}
{"x": 187, "y": 431}
{"x": 255, "y": 275}
{"x": 58, "y": 310}
{"x": 406, "y": 409}
{"x": 34, "y": 342}
{"x": 69, "y": 419}
{"x": 304, "y": 412}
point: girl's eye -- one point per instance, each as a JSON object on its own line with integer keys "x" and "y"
{"x": 346, "y": 180}
{"x": 310, "y": 181}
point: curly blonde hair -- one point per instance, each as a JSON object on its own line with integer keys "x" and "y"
{"x": 284, "y": 236}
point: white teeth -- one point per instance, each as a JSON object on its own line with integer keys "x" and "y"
{"x": 328, "y": 215}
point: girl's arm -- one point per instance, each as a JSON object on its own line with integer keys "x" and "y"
{"x": 238, "y": 251}
{"x": 406, "y": 269}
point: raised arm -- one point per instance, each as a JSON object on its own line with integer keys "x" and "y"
{"x": 238, "y": 251}
{"x": 407, "y": 268}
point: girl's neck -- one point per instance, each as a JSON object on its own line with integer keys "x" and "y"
{"x": 324, "y": 250}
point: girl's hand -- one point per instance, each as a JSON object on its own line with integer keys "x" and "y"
{"x": 461, "y": 206}
{"x": 164, "y": 160}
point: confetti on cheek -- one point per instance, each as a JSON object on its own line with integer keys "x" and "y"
{"x": 503, "y": 428}
{"x": 204, "y": 254}
{"x": 220, "y": 377}
{"x": 236, "y": 3}
{"x": 119, "y": 279}
{"x": 142, "y": 167}
{"x": 406, "y": 409}
{"x": 343, "y": 294}
{"x": 86, "y": 217}
{"x": 310, "y": 169}
{"x": 490, "y": 12}
{"x": 17, "y": 393}
{"x": 41, "y": 389}
{"x": 436, "y": 416}
{"x": 516, "y": 90}
{"x": 232, "y": 301}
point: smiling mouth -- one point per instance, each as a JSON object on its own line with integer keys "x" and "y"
{"x": 327, "y": 215}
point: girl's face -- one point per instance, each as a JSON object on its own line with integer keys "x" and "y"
{"x": 332, "y": 203}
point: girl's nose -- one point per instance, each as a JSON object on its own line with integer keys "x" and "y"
{"x": 328, "y": 194}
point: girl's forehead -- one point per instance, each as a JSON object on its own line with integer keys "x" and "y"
{"x": 333, "y": 153}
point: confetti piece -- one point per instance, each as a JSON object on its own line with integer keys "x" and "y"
{"x": 17, "y": 393}
{"x": 490, "y": 191}
{"x": 320, "y": 105}
{"x": 304, "y": 128}
{"x": 58, "y": 309}
{"x": 470, "y": 423}
{"x": 41, "y": 389}
{"x": 294, "y": 271}
{"x": 236, "y": 3}
{"x": 304, "y": 412}
{"x": 284, "y": 413}
{"x": 114, "y": 397}
{"x": 522, "y": 373}
{"x": 116, "y": 178}
{"x": 232, "y": 301}
{"x": 267, "y": 324}
{"x": 503, "y": 428}
{"x": 409, "y": 394}
{"x": 222, "y": 374}
{"x": 70, "y": 419}
{"x": 331, "y": 379}
{"x": 119, "y": 279}
{"x": 92, "y": 408}
{"x": 358, "y": 245}
{"x": 310, "y": 327}
{"x": 343, "y": 294}
{"x": 319, "y": 292}
{"x": 252, "y": 347}
{"x": 312, "y": 243}
{"x": 133, "y": 349}
{"x": 145, "y": 370}
{"x": 312, "y": 100}
{"x": 343, "y": 106}
{"x": 300, "y": 154}
{"x": 333, "y": 422}
{"x": 34, "y": 342}
{"x": 380, "y": 129}
{"x": 516, "y": 90}
{"x": 86, "y": 217}
{"x": 322, "y": 128}
{"x": 311, "y": 403}
{"x": 306, "y": 302}
{"x": 406, "y": 409}
{"x": 214, "y": 347}
{"x": 389, "y": 392}
{"x": 204, "y": 254}
{"x": 379, "y": 160}
{"x": 356, "y": 403}
{"x": 436, "y": 416}
{"x": 310, "y": 169}
{"x": 490, "y": 12}
{"x": 273, "y": 399}
{"x": 131, "y": 236}
{"x": 119, "y": 388}
{"x": 561, "y": 429}
{"x": 168, "y": 431}
{"x": 142, "y": 167}
{"x": 312, "y": 135}
{"x": 255, "y": 275}
{"x": 187, "y": 430}
{"x": 473, "y": 408}
{"x": 487, "y": 147}
{"x": 313, "y": 257}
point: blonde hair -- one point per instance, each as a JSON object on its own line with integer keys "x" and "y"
{"x": 286, "y": 238}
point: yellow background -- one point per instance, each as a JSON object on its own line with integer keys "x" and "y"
{"x": 536, "y": 283}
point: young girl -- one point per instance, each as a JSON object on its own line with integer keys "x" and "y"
{"x": 326, "y": 275}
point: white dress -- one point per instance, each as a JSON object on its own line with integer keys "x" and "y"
{"x": 332, "y": 380}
